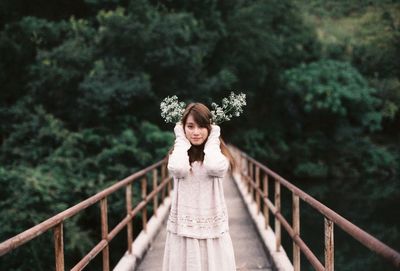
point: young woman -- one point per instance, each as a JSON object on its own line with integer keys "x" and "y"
{"x": 198, "y": 236}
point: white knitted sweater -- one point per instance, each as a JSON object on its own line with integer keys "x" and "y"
{"x": 198, "y": 208}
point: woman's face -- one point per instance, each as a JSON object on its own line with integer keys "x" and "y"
{"x": 194, "y": 133}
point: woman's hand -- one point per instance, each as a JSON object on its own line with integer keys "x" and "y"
{"x": 215, "y": 161}
{"x": 215, "y": 133}
{"x": 180, "y": 134}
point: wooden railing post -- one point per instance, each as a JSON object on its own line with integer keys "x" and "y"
{"x": 329, "y": 245}
{"x": 155, "y": 199}
{"x": 59, "y": 246}
{"x": 278, "y": 209}
{"x": 144, "y": 212}
{"x": 296, "y": 230}
{"x": 258, "y": 186}
{"x": 266, "y": 194}
{"x": 128, "y": 194}
{"x": 104, "y": 233}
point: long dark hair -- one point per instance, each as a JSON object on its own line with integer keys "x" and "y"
{"x": 202, "y": 116}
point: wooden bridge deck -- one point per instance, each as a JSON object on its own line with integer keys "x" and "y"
{"x": 249, "y": 250}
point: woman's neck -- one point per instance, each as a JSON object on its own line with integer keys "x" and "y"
{"x": 196, "y": 153}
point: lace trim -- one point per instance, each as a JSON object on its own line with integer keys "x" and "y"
{"x": 196, "y": 221}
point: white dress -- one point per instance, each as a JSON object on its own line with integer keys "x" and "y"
{"x": 198, "y": 236}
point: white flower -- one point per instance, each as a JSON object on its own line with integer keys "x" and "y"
{"x": 171, "y": 109}
{"x": 232, "y": 106}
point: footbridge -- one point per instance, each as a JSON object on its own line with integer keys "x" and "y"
{"x": 253, "y": 197}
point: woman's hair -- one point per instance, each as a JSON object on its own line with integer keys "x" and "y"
{"x": 202, "y": 116}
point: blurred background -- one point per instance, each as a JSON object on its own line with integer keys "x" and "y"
{"x": 81, "y": 84}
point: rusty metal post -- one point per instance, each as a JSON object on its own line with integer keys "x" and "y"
{"x": 246, "y": 170}
{"x": 144, "y": 212}
{"x": 155, "y": 199}
{"x": 240, "y": 166}
{"x": 104, "y": 233}
{"x": 257, "y": 191}
{"x": 163, "y": 176}
{"x": 296, "y": 230}
{"x": 329, "y": 245}
{"x": 59, "y": 246}
{"x": 278, "y": 209}
{"x": 266, "y": 209}
{"x": 128, "y": 194}
{"x": 250, "y": 187}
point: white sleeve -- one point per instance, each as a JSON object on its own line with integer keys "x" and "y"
{"x": 178, "y": 161}
{"x": 215, "y": 162}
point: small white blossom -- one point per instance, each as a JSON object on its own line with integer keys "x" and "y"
{"x": 172, "y": 110}
{"x": 232, "y": 106}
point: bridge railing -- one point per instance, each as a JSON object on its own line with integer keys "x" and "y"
{"x": 251, "y": 172}
{"x": 56, "y": 222}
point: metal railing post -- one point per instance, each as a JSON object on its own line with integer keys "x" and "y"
{"x": 329, "y": 245}
{"x": 104, "y": 233}
{"x": 128, "y": 194}
{"x": 144, "y": 212}
{"x": 278, "y": 210}
{"x": 155, "y": 199}
{"x": 59, "y": 246}
{"x": 266, "y": 194}
{"x": 296, "y": 230}
{"x": 258, "y": 187}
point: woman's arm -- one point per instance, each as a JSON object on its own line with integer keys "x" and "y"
{"x": 215, "y": 161}
{"x": 178, "y": 162}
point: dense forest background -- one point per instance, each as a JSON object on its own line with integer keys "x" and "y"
{"x": 81, "y": 84}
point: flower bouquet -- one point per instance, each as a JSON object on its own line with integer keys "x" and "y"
{"x": 172, "y": 110}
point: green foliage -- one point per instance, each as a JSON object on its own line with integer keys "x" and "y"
{"x": 29, "y": 196}
{"x": 57, "y": 72}
{"x": 80, "y": 105}
{"x": 110, "y": 89}
{"x": 19, "y": 43}
{"x": 311, "y": 170}
{"x": 33, "y": 138}
{"x": 333, "y": 90}
{"x": 261, "y": 33}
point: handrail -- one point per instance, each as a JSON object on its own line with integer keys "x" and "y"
{"x": 247, "y": 167}
{"x": 56, "y": 222}
{"x": 331, "y": 218}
